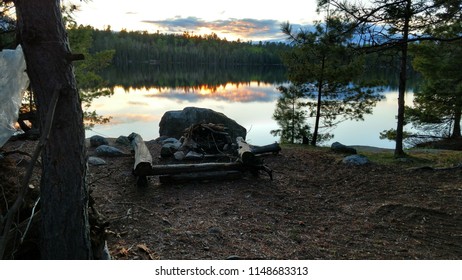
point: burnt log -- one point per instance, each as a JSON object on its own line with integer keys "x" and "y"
{"x": 271, "y": 148}
{"x": 246, "y": 156}
{"x": 143, "y": 159}
{"x": 191, "y": 168}
{"x": 246, "y": 161}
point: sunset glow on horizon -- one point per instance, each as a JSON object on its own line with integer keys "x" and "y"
{"x": 243, "y": 20}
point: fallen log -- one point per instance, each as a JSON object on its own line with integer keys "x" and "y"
{"x": 246, "y": 156}
{"x": 191, "y": 168}
{"x": 271, "y": 148}
{"x": 247, "y": 161}
{"x": 143, "y": 159}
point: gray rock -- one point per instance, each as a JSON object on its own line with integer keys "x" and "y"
{"x": 173, "y": 123}
{"x": 106, "y": 255}
{"x": 405, "y": 160}
{"x": 337, "y": 147}
{"x": 169, "y": 149}
{"x": 191, "y": 155}
{"x": 96, "y": 141}
{"x": 170, "y": 140}
{"x": 179, "y": 155}
{"x": 356, "y": 160}
{"x": 96, "y": 161}
{"x": 214, "y": 230}
{"x": 123, "y": 140}
{"x": 105, "y": 150}
{"x": 234, "y": 257}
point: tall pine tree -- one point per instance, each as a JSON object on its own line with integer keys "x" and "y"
{"x": 328, "y": 73}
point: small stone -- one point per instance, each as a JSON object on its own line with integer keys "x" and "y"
{"x": 356, "y": 160}
{"x": 170, "y": 140}
{"x": 123, "y": 140}
{"x": 214, "y": 230}
{"x": 179, "y": 155}
{"x": 191, "y": 155}
{"x": 105, "y": 150}
{"x": 96, "y": 141}
{"x": 405, "y": 160}
{"x": 96, "y": 161}
{"x": 169, "y": 149}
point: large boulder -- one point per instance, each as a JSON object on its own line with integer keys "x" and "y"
{"x": 337, "y": 147}
{"x": 174, "y": 123}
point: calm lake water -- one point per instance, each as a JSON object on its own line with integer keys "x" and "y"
{"x": 139, "y": 109}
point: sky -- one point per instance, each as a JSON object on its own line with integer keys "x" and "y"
{"x": 247, "y": 20}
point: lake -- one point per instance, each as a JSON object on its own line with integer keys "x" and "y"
{"x": 139, "y": 108}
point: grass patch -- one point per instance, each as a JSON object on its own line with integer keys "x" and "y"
{"x": 417, "y": 157}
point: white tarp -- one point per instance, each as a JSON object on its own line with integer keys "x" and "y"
{"x": 13, "y": 82}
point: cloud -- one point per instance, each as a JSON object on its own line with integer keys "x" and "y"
{"x": 242, "y": 28}
{"x": 243, "y": 95}
{"x": 132, "y": 118}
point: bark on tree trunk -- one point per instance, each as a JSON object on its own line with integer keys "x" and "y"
{"x": 64, "y": 195}
{"x": 456, "y": 131}
{"x": 399, "y": 152}
{"x": 318, "y": 106}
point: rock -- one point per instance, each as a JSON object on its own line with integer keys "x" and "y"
{"x": 170, "y": 140}
{"x": 337, "y": 147}
{"x": 106, "y": 255}
{"x": 173, "y": 123}
{"x": 405, "y": 160}
{"x": 214, "y": 230}
{"x": 160, "y": 139}
{"x": 123, "y": 140}
{"x": 179, "y": 155}
{"x": 96, "y": 141}
{"x": 105, "y": 150}
{"x": 191, "y": 155}
{"x": 356, "y": 160}
{"x": 96, "y": 161}
{"x": 234, "y": 257}
{"x": 169, "y": 149}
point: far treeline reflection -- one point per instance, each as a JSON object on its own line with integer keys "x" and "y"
{"x": 139, "y": 75}
{"x": 145, "y": 75}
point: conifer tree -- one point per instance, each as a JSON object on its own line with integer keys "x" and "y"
{"x": 393, "y": 24}
{"x": 328, "y": 73}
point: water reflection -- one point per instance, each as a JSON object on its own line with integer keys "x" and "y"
{"x": 191, "y": 78}
{"x": 230, "y": 92}
{"x": 140, "y": 110}
{"x": 251, "y": 104}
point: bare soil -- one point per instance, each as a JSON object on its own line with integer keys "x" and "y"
{"x": 314, "y": 208}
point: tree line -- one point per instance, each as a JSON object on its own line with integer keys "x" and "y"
{"x": 186, "y": 49}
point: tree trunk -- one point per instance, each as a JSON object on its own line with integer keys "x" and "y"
{"x": 64, "y": 195}
{"x": 318, "y": 105}
{"x": 456, "y": 131}
{"x": 399, "y": 152}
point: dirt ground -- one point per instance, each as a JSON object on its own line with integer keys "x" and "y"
{"x": 314, "y": 208}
